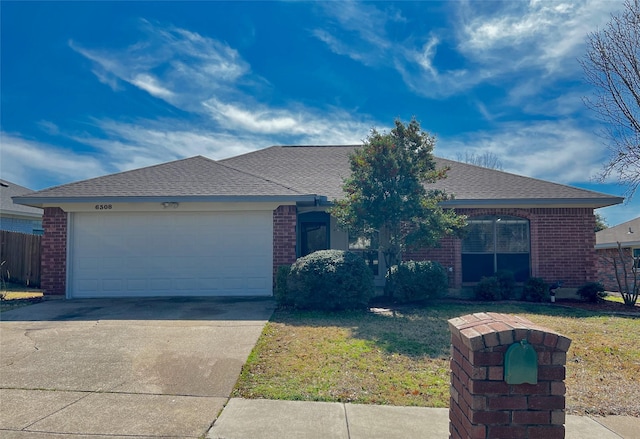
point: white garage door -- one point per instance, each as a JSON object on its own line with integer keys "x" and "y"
{"x": 170, "y": 254}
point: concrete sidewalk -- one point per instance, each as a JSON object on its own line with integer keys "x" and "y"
{"x": 267, "y": 419}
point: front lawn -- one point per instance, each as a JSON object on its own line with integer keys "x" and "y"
{"x": 401, "y": 356}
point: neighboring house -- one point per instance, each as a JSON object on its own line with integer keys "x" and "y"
{"x": 203, "y": 227}
{"x": 16, "y": 217}
{"x": 628, "y": 235}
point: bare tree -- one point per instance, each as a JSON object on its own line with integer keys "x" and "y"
{"x": 626, "y": 270}
{"x": 612, "y": 66}
{"x": 486, "y": 159}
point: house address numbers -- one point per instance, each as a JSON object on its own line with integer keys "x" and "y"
{"x": 104, "y": 206}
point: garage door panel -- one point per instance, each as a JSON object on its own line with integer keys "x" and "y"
{"x": 161, "y": 284}
{"x": 170, "y": 253}
{"x": 89, "y": 285}
{"x": 112, "y": 285}
{"x": 137, "y": 284}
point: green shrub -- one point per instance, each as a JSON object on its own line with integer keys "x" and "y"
{"x": 535, "y": 290}
{"x": 592, "y": 292}
{"x": 497, "y": 287}
{"x": 487, "y": 289}
{"x": 330, "y": 280}
{"x": 413, "y": 281}
{"x": 280, "y": 290}
{"x": 507, "y": 283}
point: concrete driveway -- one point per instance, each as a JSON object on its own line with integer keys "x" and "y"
{"x": 123, "y": 367}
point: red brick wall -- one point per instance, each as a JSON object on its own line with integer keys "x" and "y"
{"x": 606, "y": 273}
{"x": 54, "y": 251}
{"x": 562, "y": 245}
{"x": 284, "y": 236}
{"x": 448, "y": 253}
{"x": 483, "y": 404}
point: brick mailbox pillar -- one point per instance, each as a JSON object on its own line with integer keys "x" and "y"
{"x": 486, "y": 402}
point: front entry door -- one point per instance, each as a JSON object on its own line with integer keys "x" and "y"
{"x": 314, "y": 232}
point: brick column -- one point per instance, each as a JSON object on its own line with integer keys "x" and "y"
{"x": 284, "y": 236}
{"x": 483, "y": 405}
{"x": 53, "y": 271}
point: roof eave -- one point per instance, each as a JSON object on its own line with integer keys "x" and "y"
{"x": 594, "y": 203}
{"x": 613, "y": 245}
{"x": 21, "y": 214}
{"x": 41, "y": 202}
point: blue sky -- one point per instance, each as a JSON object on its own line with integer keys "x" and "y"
{"x": 91, "y": 88}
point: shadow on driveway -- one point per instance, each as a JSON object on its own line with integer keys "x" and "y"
{"x": 153, "y": 308}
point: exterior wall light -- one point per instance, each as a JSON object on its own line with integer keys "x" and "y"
{"x": 171, "y": 204}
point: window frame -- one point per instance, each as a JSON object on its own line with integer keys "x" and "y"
{"x": 367, "y": 250}
{"x": 495, "y": 245}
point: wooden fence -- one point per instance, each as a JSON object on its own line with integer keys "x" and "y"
{"x": 20, "y": 258}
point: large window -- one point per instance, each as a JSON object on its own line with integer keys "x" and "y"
{"x": 494, "y": 243}
{"x": 368, "y": 249}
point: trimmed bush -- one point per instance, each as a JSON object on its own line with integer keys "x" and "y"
{"x": 280, "y": 291}
{"x": 535, "y": 290}
{"x": 592, "y": 292}
{"x": 488, "y": 289}
{"x": 507, "y": 283}
{"x": 329, "y": 280}
{"x": 414, "y": 281}
{"x": 497, "y": 287}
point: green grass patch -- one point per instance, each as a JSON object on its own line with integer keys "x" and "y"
{"x": 401, "y": 356}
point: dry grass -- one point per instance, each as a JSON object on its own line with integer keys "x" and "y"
{"x": 14, "y": 296}
{"x": 603, "y": 363}
{"x": 401, "y": 357}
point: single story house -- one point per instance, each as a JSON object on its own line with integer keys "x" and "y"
{"x": 16, "y": 217}
{"x": 203, "y": 227}
{"x": 628, "y": 235}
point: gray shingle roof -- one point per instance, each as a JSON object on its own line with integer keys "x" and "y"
{"x": 470, "y": 183}
{"x": 321, "y": 170}
{"x": 310, "y": 169}
{"x": 306, "y": 171}
{"x": 7, "y": 206}
{"x": 197, "y": 177}
{"x": 627, "y": 234}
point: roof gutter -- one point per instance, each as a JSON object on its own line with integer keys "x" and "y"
{"x": 609, "y": 245}
{"x": 595, "y": 203}
{"x": 52, "y": 201}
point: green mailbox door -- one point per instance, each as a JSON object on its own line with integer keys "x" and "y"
{"x": 521, "y": 364}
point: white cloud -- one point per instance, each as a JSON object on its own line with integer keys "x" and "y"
{"x": 425, "y": 57}
{"x": 180, "y": 67}
{"x": 114, "y": 146}
{"x": 263, "y": 120}
{"x": 196, "y": 74}
{"x": 28, "y": 163}
{"x": 494, "y": 39}
{"x": 363, "y": 26}
{"x": 541, "y": 35}
{"x": 509, "y": 41}
{"x": 559, "y": 151}
{"x": 203, "y": 76}
{"x": 151, "y": 85}
{"x": 49, "y": 127}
